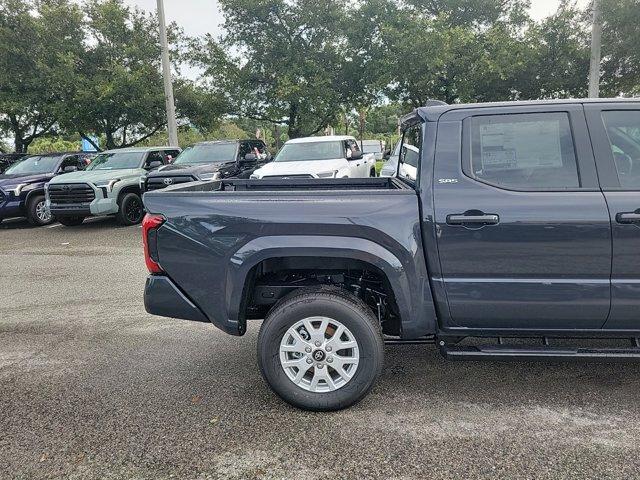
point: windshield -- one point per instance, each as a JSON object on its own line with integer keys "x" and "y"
{"x": 116, "y": 161}
{"x": 213, "y": 153}
{"x": 34, "y": 165}
{"x": 296, "y": 152}
{"x": 371, "y": 148}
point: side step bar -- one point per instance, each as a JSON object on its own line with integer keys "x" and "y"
{"x": 504, "y": 352}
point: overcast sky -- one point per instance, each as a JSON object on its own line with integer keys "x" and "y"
{"x": 203, "y": 16}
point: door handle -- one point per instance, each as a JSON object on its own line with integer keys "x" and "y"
{"x": 465, "y": 219}
{"x": 628, "y": 217}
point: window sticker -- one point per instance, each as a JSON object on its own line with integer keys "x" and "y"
{"x": 520, "y": 145}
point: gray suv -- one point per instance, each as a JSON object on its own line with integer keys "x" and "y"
{"x": 109, "y": 186}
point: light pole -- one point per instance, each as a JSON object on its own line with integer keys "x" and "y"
{"x": 596, "y": 44}
{"x": 172, "y": 127}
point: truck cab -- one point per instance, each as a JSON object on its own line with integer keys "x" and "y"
{"x": 510, "y": 230}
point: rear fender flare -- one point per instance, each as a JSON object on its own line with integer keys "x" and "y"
{"x": 263, "y": 248}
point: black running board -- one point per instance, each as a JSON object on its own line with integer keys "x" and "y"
{"x": 502, "y": 352}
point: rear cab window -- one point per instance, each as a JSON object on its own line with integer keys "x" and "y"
{"x": 623, "y": 132}
{"x": 528, "y": 151}
{"x": 409, "y": 156}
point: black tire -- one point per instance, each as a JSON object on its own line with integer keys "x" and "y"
{"x": 69, "y": 221}
{"x": 335, "y": 304}
{"x": 372, "y": 173}
{"x": 35, "y": 212}
{"x": 131, "y": 209}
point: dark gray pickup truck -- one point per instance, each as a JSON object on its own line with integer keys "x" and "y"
{"x": 512, "y": 230}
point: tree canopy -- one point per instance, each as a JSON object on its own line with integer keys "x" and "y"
{"x": 291, "y": 68}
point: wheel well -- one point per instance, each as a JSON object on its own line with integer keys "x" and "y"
{"x": 273, "y": 278}
{"x": 129, "y": 189}
{"x": 33, "y": 193}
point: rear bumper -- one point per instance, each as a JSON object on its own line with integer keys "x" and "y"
{"x": 162, "y": 297}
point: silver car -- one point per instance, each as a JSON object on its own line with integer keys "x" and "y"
{"x": 390, "y": 167}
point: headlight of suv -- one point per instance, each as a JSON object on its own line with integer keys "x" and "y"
{"x": 109, "y": 186}
{"x": 254, "y": 177}
{"x": 17, "y": 190}
{"x": 327, "y": 174}
{"x": 209, "y": 176}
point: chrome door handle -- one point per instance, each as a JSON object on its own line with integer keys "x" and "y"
{"x": 463, "y": 219}
{"x": 628, "y": 217}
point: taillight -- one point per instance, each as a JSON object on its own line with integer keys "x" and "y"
{"x": 150, "y": 225}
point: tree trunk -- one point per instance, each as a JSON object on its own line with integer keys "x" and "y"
{"x": 294, "y": 129}
{"x": 21, "y": 145}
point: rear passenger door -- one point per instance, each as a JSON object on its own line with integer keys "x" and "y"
{"x": 615, "y": 132}
{"x": 522, "y": 227}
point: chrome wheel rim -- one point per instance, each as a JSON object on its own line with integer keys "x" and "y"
{"x": 42, "y": 213}
{"x": 319, "y": 354}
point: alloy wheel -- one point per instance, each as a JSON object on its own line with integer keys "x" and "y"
{"x": 319, "y": 354}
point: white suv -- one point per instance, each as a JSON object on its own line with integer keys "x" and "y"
{"x": 337, "y": 156}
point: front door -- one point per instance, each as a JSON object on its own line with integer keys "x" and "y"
{"x": 615, "y": 129}
{"x": 523, "y": 230}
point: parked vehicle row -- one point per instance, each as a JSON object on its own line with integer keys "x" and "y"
{"x": 513, "y": 220}
{"x": 63, "y": 187}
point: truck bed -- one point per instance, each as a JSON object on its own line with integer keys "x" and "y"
{"x": 292, "y": 184}
{"x": 217, "y": 234}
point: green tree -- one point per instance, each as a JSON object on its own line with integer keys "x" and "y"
{"x": 557, "y": 64}
{"x": 40, "y": 44}
{"x": 291, "y": 68}
{"x": 620, "y": 41}
{"x": 119, "y": 93}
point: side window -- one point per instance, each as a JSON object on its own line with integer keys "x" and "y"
{"x": 351, "y": 147}
{"x": 623, "y": 130}
{"x": 245, "y": 148}
{"x": 530, "y": 151}
{"x": 154, "y": 157}
{"x": 70, "y": 161}
{"x": 410, "y": 153}
{"x": 170, "y": 155}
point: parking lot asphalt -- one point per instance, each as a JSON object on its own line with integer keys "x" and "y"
{"x": 91, "y": 386}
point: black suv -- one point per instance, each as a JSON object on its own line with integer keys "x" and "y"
{"x": 210, "y": 161}
{"x": 22, "y": 184}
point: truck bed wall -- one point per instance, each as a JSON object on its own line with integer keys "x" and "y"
{"x": 212, "y": 240}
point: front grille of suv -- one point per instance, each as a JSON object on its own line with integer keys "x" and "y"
{"x": 156, "y": 183}
{"x": 71, "y": 193}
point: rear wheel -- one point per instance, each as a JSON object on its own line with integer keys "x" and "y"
{"x": 70, "y": 221}
{"x": 321, "y": 349}
{"x": 131, "y": 209}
